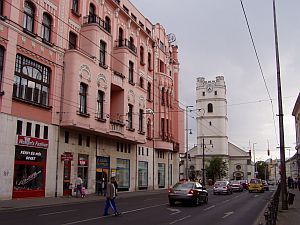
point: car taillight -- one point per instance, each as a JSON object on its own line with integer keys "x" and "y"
{"x": 191, "y": 191}
{"x": 225, "y": 187}
{"x": 171, "y": 190}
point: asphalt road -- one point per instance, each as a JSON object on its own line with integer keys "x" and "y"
{"x": 239, "y": 208}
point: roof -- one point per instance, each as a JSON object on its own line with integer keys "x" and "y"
{"x": 297, "y": 106}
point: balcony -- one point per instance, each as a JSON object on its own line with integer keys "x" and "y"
{"x": 117, "y": 126}
{"x": 127, "y": 44}
{"x": 118, "y": 79}
{"x": 94, "y": 19}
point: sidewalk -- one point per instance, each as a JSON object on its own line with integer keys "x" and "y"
{"x": 24, "y": 203}
{"x": 292, "y": 215}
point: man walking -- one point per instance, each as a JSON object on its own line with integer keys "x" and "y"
{"x": 110, "y": 198}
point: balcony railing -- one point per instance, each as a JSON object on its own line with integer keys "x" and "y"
{"x": 97, "y": 20}
{"x": 117, "y": 126}
{"x": 128, "y": 44}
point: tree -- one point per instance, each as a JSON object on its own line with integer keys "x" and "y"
{"x": 217, "y": 169}
{"x": 262, "y": 170}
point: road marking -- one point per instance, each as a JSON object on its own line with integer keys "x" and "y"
{"x": 226, "y": 201}
{"x": 256, "y": 196}
{"x": 183, "y": 218}
{"x": 151, "y": 199}
{"x": 175, "y": 211}
{"x": 209, "y": 207}
{"x": 227, "y": 214}
{"x": 100, "y": 217}
{"x": 58, "y": 212}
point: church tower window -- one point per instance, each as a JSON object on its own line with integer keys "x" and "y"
{"x": 210, "y": 108}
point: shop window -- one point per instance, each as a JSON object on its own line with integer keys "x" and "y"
{"x": 46, "y": 27}
{"x": 72, "y": 40}
{"x": 28, "y": 129}
{"x": 210, "y": 108}
{"x": 161, "y": 175}
{"x": 45, "y": 132}
{"x": 79, "y": 139}
{"x": 102, "y": 58}
{"x": 83, "y": 168}
{"x": 67, "y": 136}
{"x": 31, "y": 81}
{"x": 100, "y": 103}
{"x": 37, "y": 131}
{"x": 19, "y": 127}
{"x": 29, "y": 11}
{"x": 83, "y": 98}
{"x": 88, "y": 140}
{"x": 123, "y": 174}
{"x": 143, "y": 175}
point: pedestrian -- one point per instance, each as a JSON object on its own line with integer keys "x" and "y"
{"x": 70, "y": 189}
{"x": 116, "y": 187}
{"x": 78, "y": 185}
{"x": 110, "y": 198}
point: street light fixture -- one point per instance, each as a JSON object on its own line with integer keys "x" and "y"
{"x": 187, "y": 139}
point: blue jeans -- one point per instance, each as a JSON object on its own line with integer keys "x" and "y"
{"x": 110, "y": 203}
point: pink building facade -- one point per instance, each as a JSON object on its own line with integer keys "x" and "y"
{"x": 90, "y": 89}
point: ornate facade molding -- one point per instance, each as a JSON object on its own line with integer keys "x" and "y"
{"x": 85, "y": 73}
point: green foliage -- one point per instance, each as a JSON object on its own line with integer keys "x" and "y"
{"x": 217, "y": 169}
{"x": 262, "y": 169}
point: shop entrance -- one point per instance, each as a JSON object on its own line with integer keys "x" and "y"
{"x": 102, "y": 174}
{"x": 67, "y": 178}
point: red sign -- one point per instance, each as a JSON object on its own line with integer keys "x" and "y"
{"x": 32, "y": 142}
{"x": 67, "y": 156}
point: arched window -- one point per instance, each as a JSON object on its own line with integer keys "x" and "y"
{"x": 28, "y": 16}
{"x": 163, "y": 96}
{"x": 83, "y": 98}
{"x": 210, "y": 108}
{"x": 107, "y": 24}
{"x": 149, "y": 62}
{"x": 46, "y": 27}
{"x": 149, "y": 129}
{"x": 149, "y": 91}
{"x": 131, "y": 44}
{"x": 120, "y": 41}
{"x": 92, "y": 14}
{"x": 141, "y": 82}
{"x": 142, "y": 55}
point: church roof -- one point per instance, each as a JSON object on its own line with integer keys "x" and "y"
{"x": 234, "y": 150}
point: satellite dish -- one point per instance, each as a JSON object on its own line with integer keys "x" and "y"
{"x": 171, "y": 37}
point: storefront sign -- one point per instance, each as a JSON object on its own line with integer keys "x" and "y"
{"x": 30, "y": 154}
{"x": 102, "y": 162}
{"x": 67, "y": 156}
{"x": 32, "y": 142}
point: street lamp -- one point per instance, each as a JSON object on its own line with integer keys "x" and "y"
{"x": 187, "y": 139}
{"x": 203, "y": 160}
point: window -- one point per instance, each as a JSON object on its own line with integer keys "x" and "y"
{"x": 149, "y": 91}
{"x": 161, "y": 175}
{"x": 120, "y": 41}
{"x": 161, "y": 46}
{"x": 19, "y": 127}
{"x": 147, "y": 152}
{"x": 210, "y": 107}
{"x": 107, "y": 24}
{"x": 118, "y": 145}
{"x": 83, "y": 98}
{"x": 102, "y": 53}
{"x": 203, "y": 93}
{"x": 45, "y": 132}
{"x": 149, "y": 129}
{"x": 1, "y": 64}
{"x": 162, "y": 128}
{"x": 143, "y": 174}
{"x": 161, "y": 66}
{"x": 210, "y": 142}
{"x": 72, "y": 40}
{"x": 88, "y": 140}
{"x": 216, "y": 93}
{"x": 28, "y": 129}
{"x": 167, "y": 97}
{"x": 130, "y": 111}
{"x": 130, "y": 76}
{"x": 28, "y": 16}
{"x": 131, "y": 45}
{"x": 142, "y": 55}
{"x": 141, "y": 120}
{"x": 123, "y": 174}
{"x": 100, "y": 101}
{"x": 141, "y": 82}
{"x": 141, "y": 24}
{"x": 67, "y": 136}
{"x": 31, "y": 81}
{"x": 46, "y": 27}
{"x": 79, "y": 139}
{"x": 1, "y": 7}
{"x": 125, "y": 9}
{"x": 149, "y": 61}
{"x": 37, "y": 131}
{"x": 133, "y": 16}
{"x": 163, "y": 96}
{"x": 75, "y": 7}
{"x": 209, "y": 123}
{"x": 92, "y": 10}
{"x": 167, "y": 127}
{"x": 83, "y": 168}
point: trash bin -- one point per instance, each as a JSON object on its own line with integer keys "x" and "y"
{"x": 291, "y": 197}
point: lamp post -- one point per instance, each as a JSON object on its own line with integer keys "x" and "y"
{"x": 203, "y": 160}
{"x": 254, "y": 160}
{"x": 187, "y": 140}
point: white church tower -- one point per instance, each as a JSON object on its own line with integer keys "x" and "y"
{"x": 212, "y": 117}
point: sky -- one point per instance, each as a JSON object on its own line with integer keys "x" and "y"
{"x": 213, "y": 40}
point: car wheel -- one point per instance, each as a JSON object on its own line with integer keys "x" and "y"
{"x": 171, "y": 202}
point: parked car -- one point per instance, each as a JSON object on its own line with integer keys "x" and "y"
{"x": 245, "y": 184}
{"x": 256, "y": 185}
{"x": 237, "y": 185}
{"x": 266, "y": 185}
{"x": 190, "y": 191}
{"x": 221, "y": 187}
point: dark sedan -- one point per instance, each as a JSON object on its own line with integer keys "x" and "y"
{"x": 188, "y": 192}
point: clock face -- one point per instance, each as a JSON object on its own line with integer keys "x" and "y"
{"x": 209, "y": 88}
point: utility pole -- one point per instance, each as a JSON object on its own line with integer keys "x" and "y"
{"x": 203, "y": 160}
{"x": 254, "y": 160}
{"x": 281, "y": 129}
{"x": 187, "y": 140}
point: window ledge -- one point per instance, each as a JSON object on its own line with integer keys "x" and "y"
{"x": 29, "y": 32}
{"x": 47, "y": 42}
{"x": 3, "y": 18}
{"x": 131, "y": 82}
{"x": 130, "y": 129}
{"x": 83, "y": 114}
{"x": 150, "y": 69}
{"x": 149, "y": 138}
{"x": 31, "y": 103}
{"x": 100, "y": 119}
{"x": 149, "y": 100}
{"x": 142, "y": 63}
{"x": 103, "y": 65}
{"x": 75, "y": 13}
{"x": 142, "y": 132}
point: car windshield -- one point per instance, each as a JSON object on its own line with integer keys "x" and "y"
{"x": 254, "y": 181}
{"x": 235, "y": 182}
{"x": 183, "y": 185}
{"x": 220, "y": 184}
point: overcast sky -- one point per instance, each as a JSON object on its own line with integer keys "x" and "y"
{"x": 213, "y": 40}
